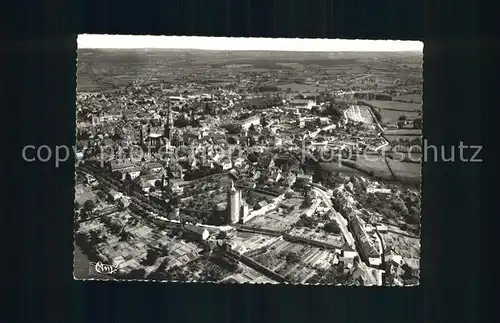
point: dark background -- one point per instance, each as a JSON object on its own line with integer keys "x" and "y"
{"x": 39, "y": 41}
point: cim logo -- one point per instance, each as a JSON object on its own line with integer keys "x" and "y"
{"x": 104, "y": 269}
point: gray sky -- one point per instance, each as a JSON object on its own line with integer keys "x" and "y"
{"x": 225, "y": 43}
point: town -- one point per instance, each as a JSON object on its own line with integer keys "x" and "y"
{"x": 249, "y": 167}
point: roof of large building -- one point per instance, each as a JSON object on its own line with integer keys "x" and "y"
{"x": 363, "y": 237}
{"x": 194, "y": 229}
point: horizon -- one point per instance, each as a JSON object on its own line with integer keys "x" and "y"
{"x": 130, "y": 42}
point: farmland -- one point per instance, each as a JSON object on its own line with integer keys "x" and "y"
{"x": 377, "y": 166}
{"x": 297, "y": 263}
{"x": 411, "y": 98}
{"x": 392, "y": 110}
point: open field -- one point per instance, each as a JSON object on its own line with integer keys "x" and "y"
{"x": 372, "y": 165}
{"x": 100, "y": 69}
{"x": 300, "y": 87}
{"x": 359, "y": 113}
{"x": 244, "y": 242}
{"x": 408, "y": 173}
{"x": 396, "y": 106}
{"x": 402, "y": 134}
{"x": 335, "y": 167}
{"x": 411, "y": 98}
{"x": 277, "y": 220}
{"x": 392, "y": 110}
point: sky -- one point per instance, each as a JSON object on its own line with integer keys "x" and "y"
{"x": 226, "y": 43}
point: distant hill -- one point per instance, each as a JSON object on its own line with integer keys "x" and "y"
{"x": 104, "y": 68}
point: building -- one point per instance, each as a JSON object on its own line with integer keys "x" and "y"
{"x": 195, "y": 233}
{"x": 233, "y": 204}
{"x": 371, "y": 190}
{"x": 247, "y": 123}
{"x": 367, "y": 247}
{"x": 347, "y": 257}
{"x": 154, "y": 166}
{"x": 303, "y": 180}
{"x": 124, "y": 202}
{"x": 369, "y": 95}
{"x": 114, "y": 195}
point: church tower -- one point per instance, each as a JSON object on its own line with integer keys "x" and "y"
{"x": 168, "y": 124}
{"x": 233, "y": 204}
{"x": 141, "y": 137}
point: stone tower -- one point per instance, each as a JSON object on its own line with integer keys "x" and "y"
{"x": 233, "y": 204}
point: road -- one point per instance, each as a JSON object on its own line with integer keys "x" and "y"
{"x": 340, "y": 219}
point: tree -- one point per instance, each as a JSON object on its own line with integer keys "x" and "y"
{"x": 222, "y": 235}
{"x": 253, "y": 157}
{"x": 124, "y": 236}
{"x": 251, "y": 128}
{"x": 88, "y": 206}
{"x": 150, "y": 258}
{"x": 332, "y": 227}
{"x": 292, "y": 257}
{"x": 158, "y": 183}
{"x": 181, "y": 123}
{"x": 377, "y": 114}
{"x": 402, "y": 118}
{"x": 77, "y": 205}
{"x": 137, "y": 274}
{"x": 94, "y": 238}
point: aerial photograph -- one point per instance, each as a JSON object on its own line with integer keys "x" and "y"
{"x": 248, "y": 160}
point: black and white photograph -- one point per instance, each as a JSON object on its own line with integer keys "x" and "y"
{"x": 248, "y": 160}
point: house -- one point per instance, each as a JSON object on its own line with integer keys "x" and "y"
{"x": 195, "y": 233}
{"x": 120, "y": 165}
{"x": 176, "y": 188}
{"x": 226, "y": 163}
{"x": 392, "y": 257}
{"x": 146, "y": 182}
{"x": 368, "y": 249}
{"x": 238, "y": 162}
{"x": 347, "y": 257}
{"x": 371, "y": 190}
{"x": 124, "y": 202}
{"x": 303, "y": 179}
{"x": 133, "y": 172}
{"x": 154, "y": 166}
{"x": 262, "y": 204}
{"x": 234, "y": 175}
{"x": 114, "y": 195}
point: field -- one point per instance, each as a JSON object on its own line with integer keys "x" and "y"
{"x": 278, "y": 219}
{"x": 359, "y": 114}
{"x": 392, "y": 110}
{"x": 411, "y": 98}
{"x": 246, "y": 242}
{"x": 408, "y": 173}
{"x": 397, "y": 134}
{"x": 336, "y": 167}
{"x": 295, "y": 269}
{"x": 107, "y": 69}
{"x": 295, "y": 87}
{"x": 373, "y": 165}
